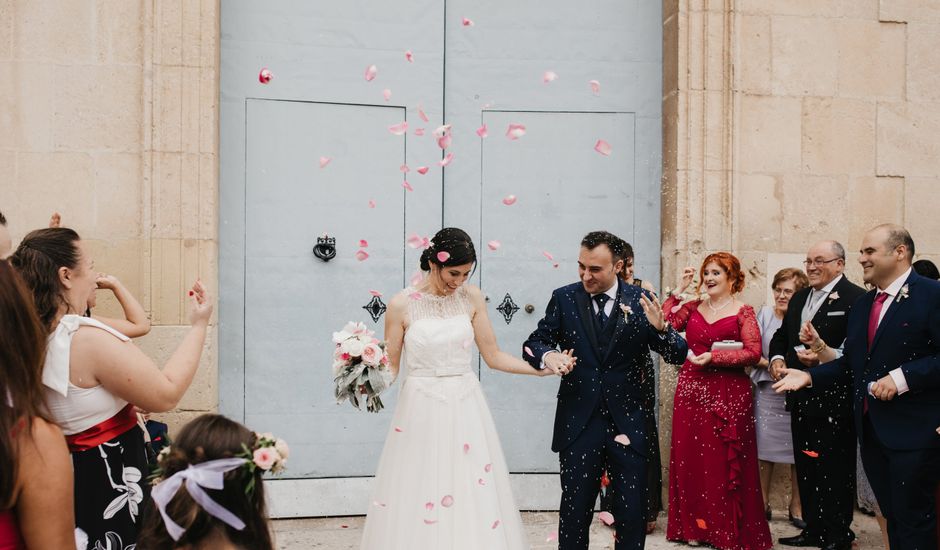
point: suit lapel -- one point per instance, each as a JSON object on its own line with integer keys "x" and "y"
{"x": 895, "y": 306}
{"x": 618, "y": 317}
{"x": 825, "y": 306}
{"x": 586, "y": 313}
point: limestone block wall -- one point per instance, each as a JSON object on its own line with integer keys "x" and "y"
{"x": 790, "y": 121}
{"x": 109, "y": 115}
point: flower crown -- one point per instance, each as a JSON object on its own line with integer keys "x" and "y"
{"x": 269, "y": 454}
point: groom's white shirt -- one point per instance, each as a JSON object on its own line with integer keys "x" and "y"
{"x": 608, "y": 309}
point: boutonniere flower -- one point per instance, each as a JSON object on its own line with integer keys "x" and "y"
{"x": 903, "y": 293}
{"x": 833, "y": 296}
{"x": 627, "y": 311}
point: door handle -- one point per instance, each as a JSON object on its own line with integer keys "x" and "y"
{"x": 529, "y": 308}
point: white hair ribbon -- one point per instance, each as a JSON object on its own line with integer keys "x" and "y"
{"x": 205, "y": 474}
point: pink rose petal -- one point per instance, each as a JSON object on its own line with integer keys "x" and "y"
{"x": 622, "y": 439}
{"x": 509, "y": 200}
{"x": 363, "y": 243}
{"x": 549, "y": 76}
{"x": 466, "y": 22}
{"x": 429, "y": 506}
{"x": 446, "y": 160}
{"x": 409, "y": 56}
{"x": 548, "y": 255}
{"x": 493, "y": 245}
{"x": 422, "y": 170}
{"x": 404, "y": 168}
{"x": 595, "y": 86}
{"x": 407, "y": 185}
{"x": 443, "y": 256}
{"x": 442, "y": 131}
{"x": 488, "y": 468}
{"x": 430, "y": 521}
{"x": 606, "y": 517}
{"x": 495, "y": 524}
{"x": 324, "y": 161}
{"x": 375, "y": 293}
{"x": 399, "y": 129}
{"x": 482, "y": 131}
{"x": 387, "y": 94}
{"x": 371, "y": 203}
{"x": 515, "y": 131}
{"x": 362, "y": 255}
{"x": 415, "y": 295}
{"x": 528, "y": 351}
{"x": 602, "y": 147}
{"x": 481, "y": 481}
{"x": 371, "y": 71}
{"x": 553, "y": 536}
{"x": 415, "y": 241}
{"x": 416, "y": 277}
{"x": 447, "y": 501}
{"x": 419, "y": 132}
{"x": 265, "y": 76}
{"x": 444, "y": 141}
{"x": 398, "y": 429}
{"x": 466, "y": 448}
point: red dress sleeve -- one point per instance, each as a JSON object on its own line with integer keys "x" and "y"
{"x": 750, "y": 337}
{"x": 680, "y": 317}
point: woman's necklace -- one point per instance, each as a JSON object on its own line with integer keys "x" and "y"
{"x": 714, "y": 309}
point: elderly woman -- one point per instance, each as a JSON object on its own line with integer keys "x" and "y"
{"x": 774, "y": 440}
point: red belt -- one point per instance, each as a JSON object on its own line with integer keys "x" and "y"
{"x": 103, "y": 431}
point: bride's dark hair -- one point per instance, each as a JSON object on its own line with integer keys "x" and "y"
{"x": 454, "y": 242}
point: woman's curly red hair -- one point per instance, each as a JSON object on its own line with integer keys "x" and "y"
{"x": 730, "y": 265}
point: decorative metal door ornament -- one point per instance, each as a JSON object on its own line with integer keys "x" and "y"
{"x": 325, "y": 248}
{"x": 508, "y": 308}
{"x": 375, "y": 307}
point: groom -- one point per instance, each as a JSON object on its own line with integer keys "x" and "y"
{"x": 600, "y": 421}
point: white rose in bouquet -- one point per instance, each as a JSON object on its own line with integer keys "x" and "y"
{"x": 354, "y": 347}
{"x": 372, "y": 354}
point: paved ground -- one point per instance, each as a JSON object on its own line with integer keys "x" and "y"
{"x": 343, "y": 533}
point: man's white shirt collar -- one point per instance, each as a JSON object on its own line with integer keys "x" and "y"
{"x": 895, "y": 287}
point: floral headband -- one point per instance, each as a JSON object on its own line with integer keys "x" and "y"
{"x": 269, "y": 455}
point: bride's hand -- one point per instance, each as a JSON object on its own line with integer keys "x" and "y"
{"x": 560, "y": 363}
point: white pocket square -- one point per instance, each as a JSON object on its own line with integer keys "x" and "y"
{"x": 835, "y": 313}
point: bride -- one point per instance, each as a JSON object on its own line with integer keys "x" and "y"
{"x": 442, "y": 481}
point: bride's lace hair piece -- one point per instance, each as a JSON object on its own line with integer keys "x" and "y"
{"x": 430, "y": 306}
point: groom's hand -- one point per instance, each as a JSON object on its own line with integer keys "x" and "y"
{"x": 560, "y": 363}
{"x": 654, "y": 312}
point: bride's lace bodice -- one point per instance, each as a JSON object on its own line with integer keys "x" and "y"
{"x": 439, "y": 338}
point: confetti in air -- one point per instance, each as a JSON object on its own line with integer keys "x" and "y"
{"x": 515, "y": 131}
{"x": 595, "y": 87}
{"x": 371, "y": 71}
{"x": 602, "y": 147}
{"x": 324, "y": 161}
{"x": 549, "y": 76}
{"x": 265, "y": 76}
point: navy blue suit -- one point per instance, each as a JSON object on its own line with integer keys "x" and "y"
{"x": 607, "y": 394}
{"x": 899, "y": 443}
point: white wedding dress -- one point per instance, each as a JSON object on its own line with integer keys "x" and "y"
{"x": 442, "y": 481}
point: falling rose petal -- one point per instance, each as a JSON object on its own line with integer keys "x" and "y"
{"x": 811, "y": 454}
{"x": 409, "y": 56}
{"x": 515, "y": 131}
{"x": 446, "y": 160}
{"x": 399, "y": 129}
{"x": 442, "y": 131}
{"x": 548, "y": 255}
{"x": 429, "y": 506}
{"x": 493, "y": 245}
{"x": 482, "y": 131}
{"x": 443, "y": 256}
{"x": 606, "y": 517}
{"x": 602, "y": 147}
{"x": 398, "y": 429}
{"x": 595, "y": 86}
{"x": 371, "y": 203}
{"x": 387, "y": 94}
{"x": 430, "y": 521}
{"x": 404, "y": 168}
{"x": 444, "y": 141}
{"x": 363, "y": 243}
{"x": 422, "y": 170}
{"x": 509, "y": 200}
{"x": 528, "y": 351}
{"x": 407, "y": 185}
{"x": 415, "y": 241}
{"x": 362, "y": 255}
{"x": 419, "y": 132}
{"x": 553, "y": 536}
{"x": 466, "y": 22}
{"x": 415, "y": 295}
{"x": 265, "y": 76}
{"x": 488, "y": 468}
{"x": 549, "y": 76}
{"x": 495, "y": 524}
{"x": 447, "y": 501}
{"x": 416, "y": 278}
{"x": 423, "y": 115}
{"x": 371, "y": 71}
{"x": 622, "y": 439}
{"x": 701, "y": 524}
{"x": 466, "y": 448}
{"x": 481, "y": 481}
{"x": 324, "y": 161}
{"x": 375, "y": 293}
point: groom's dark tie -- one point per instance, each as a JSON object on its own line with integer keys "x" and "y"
{"x": 601, "y": 315}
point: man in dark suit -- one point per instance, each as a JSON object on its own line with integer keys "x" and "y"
{"x": 821, "y": 424}
{"x": 601, "y": 418}
{"x": 891, "y": 362}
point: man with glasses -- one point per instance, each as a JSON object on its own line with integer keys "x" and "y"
{"x": 821, "y": 422}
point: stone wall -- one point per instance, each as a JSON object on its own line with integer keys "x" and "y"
{"x": 109, "y": 115}
{"x": 790, "y": 121}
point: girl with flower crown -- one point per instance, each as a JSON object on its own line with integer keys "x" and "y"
{"x": 209, "y": 493}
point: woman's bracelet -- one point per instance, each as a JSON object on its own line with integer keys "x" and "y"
{"x": 818, "y": 345}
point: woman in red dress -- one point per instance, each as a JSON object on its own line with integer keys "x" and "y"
{"x": 714, "y": 480}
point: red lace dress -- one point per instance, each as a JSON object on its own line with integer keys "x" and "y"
{"x": 10, "y": 532}
{"x": 714, "y": 481}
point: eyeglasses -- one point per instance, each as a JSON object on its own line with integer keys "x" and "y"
{"x": 783, "y": 292}
{"x": 818, "y": 263}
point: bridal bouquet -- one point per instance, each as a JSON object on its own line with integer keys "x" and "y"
{"x": 360, "y": 367}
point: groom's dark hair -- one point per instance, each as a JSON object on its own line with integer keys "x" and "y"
{"x": 596, "y": 238}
